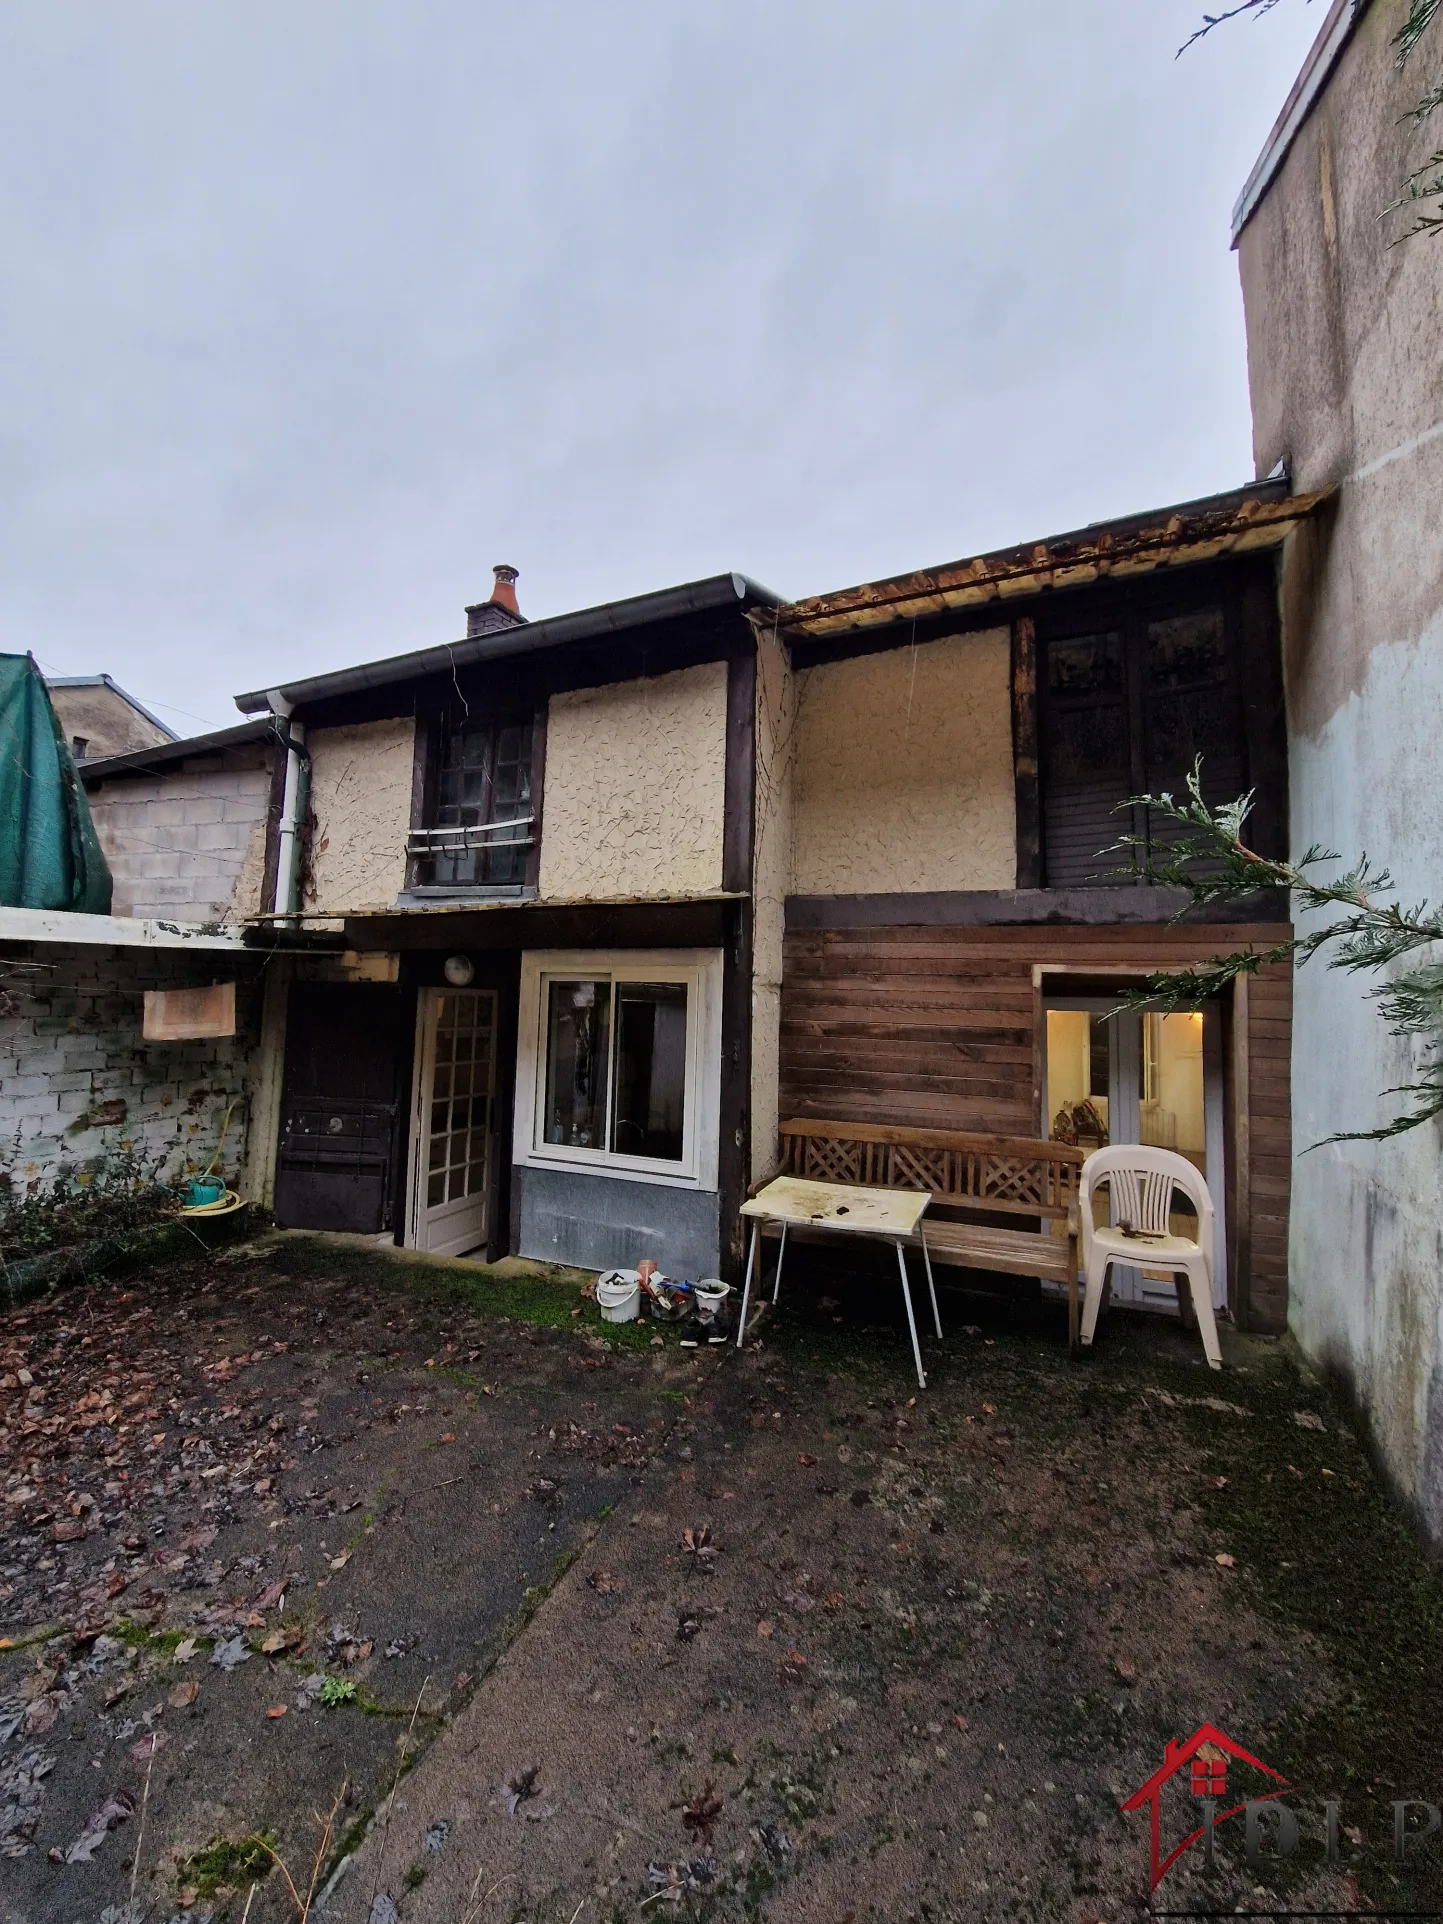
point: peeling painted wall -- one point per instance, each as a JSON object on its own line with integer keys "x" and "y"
{"x": 634, "y": 788}
{"x": 776, "y": 738}
{"x": 903, "y": 777}
{"x": 81, "y": 1088}
{"x": 360, "y": 815}
{"x": 1345, "y": 339}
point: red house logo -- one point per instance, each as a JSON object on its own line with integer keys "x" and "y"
{"x": 1205, "y": 1757}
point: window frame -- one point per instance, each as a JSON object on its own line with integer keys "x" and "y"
{"x": 700, "y": 970}
{"x": 1129, "y": 613}
{"x": 432, "y": 736}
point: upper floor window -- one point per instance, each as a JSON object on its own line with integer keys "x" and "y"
{"x": 1127, "y": 707}
{"x": 479, "y": 828}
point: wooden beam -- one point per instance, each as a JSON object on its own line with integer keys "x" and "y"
{"x": 1240, "y": 1256}
{"x": 1024, "y": 753}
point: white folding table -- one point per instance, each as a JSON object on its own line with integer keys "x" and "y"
{"x": 842, "y": 1209}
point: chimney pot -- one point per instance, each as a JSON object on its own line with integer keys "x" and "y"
{"x": 504, "y": 593}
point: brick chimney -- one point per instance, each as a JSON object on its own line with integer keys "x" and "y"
{"x": 501, "y": 611}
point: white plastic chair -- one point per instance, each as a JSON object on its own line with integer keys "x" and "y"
{"x": 1142, "y": 1180}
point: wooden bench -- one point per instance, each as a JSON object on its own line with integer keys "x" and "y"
{"x": 968, "y": 1176}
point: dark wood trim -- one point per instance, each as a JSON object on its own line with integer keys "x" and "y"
{"x": 401, "y": 1135}
{"x": 423, "y": 758}
{"x": 275, "y": 802}
{"x": 1024, "y": 753}
{"x": 1265, "y": 723}
{"x": 739, "y": 805}
{"x": 538, "y": 793}
{"x": 621, "y": 925}
{"x": 1238, "y": 1124}
{"x": 1000, "y": 908}
{"x": 734, "y": 1150}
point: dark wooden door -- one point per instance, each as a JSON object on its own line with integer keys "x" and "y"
{"x": 339, "y": 1106}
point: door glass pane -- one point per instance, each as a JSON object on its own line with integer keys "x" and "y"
{"x": 650, "y": 1070}
{"x": 1170, "y": 1096}
{"x": 578, "y": 1024}
{"x": 1077, "y": 1058}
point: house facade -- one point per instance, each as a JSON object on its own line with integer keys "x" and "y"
{"x": 1345, "y": 341}
{"x": 568, "y": 915}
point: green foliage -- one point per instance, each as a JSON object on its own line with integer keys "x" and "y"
{"x": 125, "y": 1192}
{"x": 1424, "y": 184}
{"x": 227, "y": 1861}
{"x": 1208, "y": 858}
{"x": 337, "y": 1690}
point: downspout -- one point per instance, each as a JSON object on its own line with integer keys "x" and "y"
{"x": 294, "y": 799}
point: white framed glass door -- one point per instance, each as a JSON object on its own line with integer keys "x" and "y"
{"x": 1145, "y": 1077}
{"x": 452, "y": 1113}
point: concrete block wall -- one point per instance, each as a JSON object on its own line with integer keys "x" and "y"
{"x": 79, "y": 1085}
{"x": 187, "y": 843}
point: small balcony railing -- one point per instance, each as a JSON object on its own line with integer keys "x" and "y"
{"x": 473, "y": 856}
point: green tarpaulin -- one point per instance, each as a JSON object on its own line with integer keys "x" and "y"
{"x": 49, "y": 855}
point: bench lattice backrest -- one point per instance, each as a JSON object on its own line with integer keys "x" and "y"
{"x": 1012, "y": 1175}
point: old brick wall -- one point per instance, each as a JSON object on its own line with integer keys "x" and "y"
{"x": 79, "y": 1086}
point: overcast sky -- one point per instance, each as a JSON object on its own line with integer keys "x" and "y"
{"x": 311, "y": 310}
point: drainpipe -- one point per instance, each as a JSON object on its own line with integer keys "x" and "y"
{"x": 293, "y": 807}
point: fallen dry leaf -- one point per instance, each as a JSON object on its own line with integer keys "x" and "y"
{"x": 807, "y": 1462}
{"x": 764, "y": 1628}
{"x": 144, "y": 1748}
{"x": 700, "y": 1813}
{"x": 604, "y": 1582}
{"x": 183, "y": 1696}
{"x": 276, "y": 1710}
{"x": 1227, "y": 1562}
{"x": 987, "y": 1410}
{"x": 340, "y": 1562}
{"x": 185, "y": 1650}
{"x": 284, "y": 1638}
{"x": 449, "y": 1437}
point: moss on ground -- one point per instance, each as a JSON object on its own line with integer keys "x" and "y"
{"x": 226, "y": 1863}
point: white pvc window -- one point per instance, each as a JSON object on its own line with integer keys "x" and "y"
{"x": 621, "y": 1075}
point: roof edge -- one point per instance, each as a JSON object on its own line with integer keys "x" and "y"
{"x": 1317, "y": 70}
{"x": 524, "y": 638}
{"x": 137, "y": 761}
{"x": 1245, "y": 519}
{"x": 107, "y": 681}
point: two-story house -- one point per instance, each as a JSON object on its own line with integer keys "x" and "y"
{"x": 620, "y": 889}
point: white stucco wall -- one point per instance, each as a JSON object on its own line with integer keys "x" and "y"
{"x": 1366, "y": 1259}
{"x": 903, "y": 777}
{"x": 634, "y": 788}
{"x": 776, "y": 739}
{"x": 360, "y": 813}
{"x": 1345, "y": 339}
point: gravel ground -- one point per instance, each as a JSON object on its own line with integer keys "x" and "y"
{"x": 772, "y": 1635}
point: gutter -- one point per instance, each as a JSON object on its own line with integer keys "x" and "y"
{"x": 587, "y": 624}
{"x": 1323, "y": 56}
{"x": 295, "y": 798}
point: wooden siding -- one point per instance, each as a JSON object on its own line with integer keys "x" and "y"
{"x": 940, "y": 1028}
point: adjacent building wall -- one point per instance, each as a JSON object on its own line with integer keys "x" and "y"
{"x": 904, "y": 776}
{"x": 634, "y": 788}
{"x": 360, "y": 815}
{"x": 82, "y": 1091}
{"x": 1345, "y": 341}
{"x": 188, "y": 841}
{"x": 99, "y": 715}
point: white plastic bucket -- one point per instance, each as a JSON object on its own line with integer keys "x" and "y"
{"x": 618, "y": 1296}
{"x": 711, "y": 1295}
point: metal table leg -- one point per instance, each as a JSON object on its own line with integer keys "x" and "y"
{"x": 931, "y": 1286}
{"x": 777, "y": 1285}
{"x": 911, "y": 1319}
{"x": 747, "y": 1286}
